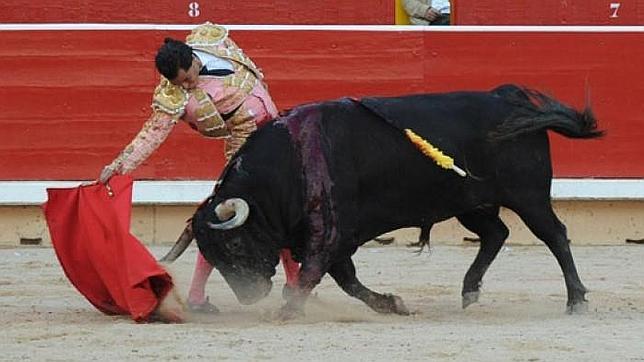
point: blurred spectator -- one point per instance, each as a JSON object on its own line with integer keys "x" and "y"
{"x": 428, "y": 12}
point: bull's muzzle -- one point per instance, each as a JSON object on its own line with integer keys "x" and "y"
{"x": 252, "y": 293}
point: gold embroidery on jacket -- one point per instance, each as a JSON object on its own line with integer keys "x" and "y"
{"x": 170, "y": 98}
{"x": 208, "y": 120}
{"x": 241, "y": 125}
{"x": 243, "y": 79}
{"x": 207, "y": 34}
{"x": 213, "y": 39}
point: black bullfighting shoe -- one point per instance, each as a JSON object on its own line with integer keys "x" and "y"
{"x": 205, "y": 307}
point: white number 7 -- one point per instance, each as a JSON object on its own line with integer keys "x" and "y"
{"x": 614, "y": 7}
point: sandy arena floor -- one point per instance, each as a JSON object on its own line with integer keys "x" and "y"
{"x": 520, "y": 316}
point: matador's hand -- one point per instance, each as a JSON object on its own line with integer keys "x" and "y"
{"x": 106, "y": 174}
{"x": 432, "y": 14}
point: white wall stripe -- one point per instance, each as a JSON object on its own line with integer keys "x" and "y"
{"x": 377, "y": 28}
{"x": 192, "y": 192}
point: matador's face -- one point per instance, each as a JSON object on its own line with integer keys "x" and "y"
{"x": 188, "y": 78}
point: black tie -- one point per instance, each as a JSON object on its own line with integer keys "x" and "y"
{"x": 215, "y": 72}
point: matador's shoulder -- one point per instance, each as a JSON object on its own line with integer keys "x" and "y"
{"x": 207, "y": 34}
{"x": 169, "y": 98}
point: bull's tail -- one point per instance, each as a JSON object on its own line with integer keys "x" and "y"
{"x": 534, "y": 111}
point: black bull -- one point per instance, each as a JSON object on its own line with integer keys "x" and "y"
{"x": 327, "y": 177}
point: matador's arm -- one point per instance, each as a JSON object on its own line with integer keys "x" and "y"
{"x": 154, "y": 131}
{"x": 168, "y": 105}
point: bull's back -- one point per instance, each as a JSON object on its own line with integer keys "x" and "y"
{"x": 387, "y": 181}
{"x": 370, "y": 135}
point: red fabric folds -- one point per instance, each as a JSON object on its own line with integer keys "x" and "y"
{"x": 109, "y": 266}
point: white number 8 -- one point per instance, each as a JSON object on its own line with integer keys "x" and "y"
{"x": 193, "y": 11}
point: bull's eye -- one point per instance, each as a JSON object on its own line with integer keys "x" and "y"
{"x": 234, "y": 245}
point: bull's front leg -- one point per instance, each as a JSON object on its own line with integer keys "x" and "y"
{"x": 344, "y": 273}
{"x": 322, "y": 240}
{"x": 311, "y": 272}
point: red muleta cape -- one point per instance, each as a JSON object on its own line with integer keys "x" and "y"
{"x": 90, "y": 233}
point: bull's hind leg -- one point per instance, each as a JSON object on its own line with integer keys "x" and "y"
{"x": 493, "y": 232}
{"x": 423, "y": 239}
{"x": 543, "y": 222}
{"x": 344, "y": 273}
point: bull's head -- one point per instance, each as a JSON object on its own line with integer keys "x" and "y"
{"x": 237, "y": 246}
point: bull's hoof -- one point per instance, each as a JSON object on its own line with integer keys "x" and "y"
{"x": 399, "y": 306}
{"x": 416, "y": 244}
{"x": 287, "y": 313}
{"x": 389, "y": 303}
{"x": 470, "y": 298}
{"x": 287, "y": 292}
{"x": 580, "y": 307}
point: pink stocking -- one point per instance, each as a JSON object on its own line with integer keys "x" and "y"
{"x": 291, "y": 268}
{"x": 197, "y": 294}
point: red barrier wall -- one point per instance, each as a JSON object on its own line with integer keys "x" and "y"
{"x": 548, "y": 12}
{"x": 198, "y": 11}
{"x": 70, "y": 100}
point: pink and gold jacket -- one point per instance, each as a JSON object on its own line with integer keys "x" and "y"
{"x": 229, "y": 107}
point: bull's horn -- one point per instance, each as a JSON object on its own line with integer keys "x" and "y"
{"x": 180, "y": 246}
{"x": 234, "y": 211}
